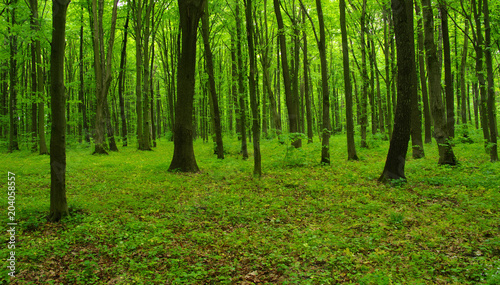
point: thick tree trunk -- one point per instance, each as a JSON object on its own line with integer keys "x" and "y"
{"x": 407, "y": 89}
{"x": 351, "y": 147}
{"x": 214, "y": 102}
{"x": 291, "y": 102}
{"x": 446, "y": 155}
{"x": 183, "y": 159}
{"x": 58, "y": 202}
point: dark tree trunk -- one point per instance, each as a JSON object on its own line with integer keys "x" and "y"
{"x": 493, "y": 147}
{"x": 448, "y": 76}
{"x": 183, "y": 159}
{"x": 364, "y": 82}
{"x": 257, "y": 169}
{"x": 423, "y": 80}
{"x": 307, "y": 95}
{"x": 82, "y": 106}
{"x": 327, "y": 127}
{"x": 407, "y": 88}
{"x": 291, "y": 103}
{"x": 241, "y": 86}
{"x": 446, "y": 155}
{"x": 351, "y": 147}
{"x": 121, "y": 83}
{"x": 463, "y": 67}
{"x": 58, "y": 203}
{"x": 214, "y": 102}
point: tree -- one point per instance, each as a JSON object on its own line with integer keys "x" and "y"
{"x": 13, "y": 117}
{"x": 190, "y": 12}
{"x": 448, "y": 76}
{"x": 291, "y": 102}
{"x": 446, "y": 155}
{"x": 351, "y": 147}
{"x": 121, "y": 83}
{"x": 407, "y": 87}
{"x": 257, "y": 169}
{"x": 38, "y": 80}
{"x": 241, "y": 88}
{"x": 58, "y": 203}
{"x": 214, "y": 102}
{"x": 102, "y": 68}
{"x": 491, "y": 85}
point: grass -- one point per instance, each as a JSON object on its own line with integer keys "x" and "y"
{"x": 133, "y": 222}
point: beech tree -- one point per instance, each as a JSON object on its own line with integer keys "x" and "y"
{"x": 407, "y": 88}
{"x": 58, "y": 203}
{"x": 190, "y": 12}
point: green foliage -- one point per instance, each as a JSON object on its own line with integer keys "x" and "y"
{"x": 133, "y": 222}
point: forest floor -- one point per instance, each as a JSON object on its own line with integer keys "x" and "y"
{"x": 133, "y": 222}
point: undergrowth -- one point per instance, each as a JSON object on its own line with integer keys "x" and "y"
{"x": 133, "y": 222}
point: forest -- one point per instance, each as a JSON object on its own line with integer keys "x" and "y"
{"x": 250, "y": 141}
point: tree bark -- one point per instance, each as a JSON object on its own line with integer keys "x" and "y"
{"x": 351, "y": 147}
{"x": 214, "y": 102}
{"x": 241, "y": 86}
{"x": 13, "y": 117}
{"x": 493, "y": 146}
{"x": 121, "y": 83}
{"x": 448, "y": 77}
{"x": 446, "y": 155}
{"x": 58, "y": 202}
{"x": 423, "y": 80}
{"x": 291, "y": 103}
{"x": 190, "y": 12}
{"x": 463, "y": 68}
{"x": 407, "y": 88}
{"x": 364, "y": 82}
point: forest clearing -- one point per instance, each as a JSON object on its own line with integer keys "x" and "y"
{"x": 133, "y": 222}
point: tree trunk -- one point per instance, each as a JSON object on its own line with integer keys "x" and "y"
{"x": 423, "y": 80}
{"x": 493, "y": 147}
{"x": 241, "y": 87}
{"x": 58, "y": 203}
{"x": 446, "y": 155}
{"x": 351, "y": 147}
{"x": 183, "y": 159}
{"x": 307, "y": 94}
{"x": 121, "y": 83}
{"x": 291, "y": 102}
{"x": 463, "y": 68}
{"x": 364, "y": 82}
{"x": 448, "y": 77}
{"x": 13, "y": 117}
{"x": 407, "y": 89}
{"x": 257, "y": 169}
{"x": 388, "y": 74}
{"x": 214, "y": 102}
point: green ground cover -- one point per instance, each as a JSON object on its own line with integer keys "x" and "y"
{"x": 133, "y": 222}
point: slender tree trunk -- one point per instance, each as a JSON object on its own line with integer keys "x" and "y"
{"x": 351, "y": 147}
{"x": 388, "y": 74}
{"x": 183, "y": 159}
{"x": 493, "y": 146}
{"x": 241, "y": 86}
{"x": 480, "y": 72}
{"x": 58, "y": 202}
{"x": 13, "y": 117}
{"x": 307, "y": 94}
{"x": 446, "y": 155}
{"x": 214, "y": 102}
{"x": 257, "y": 169}
{"x": 423, "y": 80}
{"x": 121, "y": 83}
{"x": 450, "y": 97}
{"x": 463, "y": 68}
{"x": 407, "y": 89}
{"x": 364, "y": 77}
{"x": 291, "y": 102}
